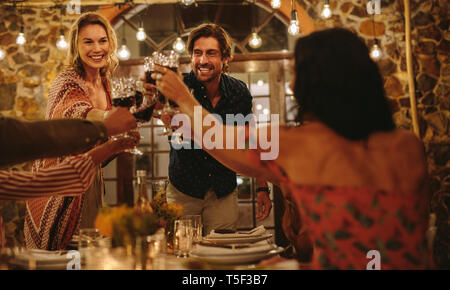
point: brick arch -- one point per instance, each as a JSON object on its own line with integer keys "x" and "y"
{"x": 306, "y": 23}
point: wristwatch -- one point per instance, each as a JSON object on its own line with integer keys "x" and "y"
{"x": 266, "y": 189}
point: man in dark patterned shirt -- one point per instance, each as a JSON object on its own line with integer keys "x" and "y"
{"x": 199, "y": 182}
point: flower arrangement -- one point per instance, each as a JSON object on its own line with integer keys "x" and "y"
{"x": 123, "y": 224}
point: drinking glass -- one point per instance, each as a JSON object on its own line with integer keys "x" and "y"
{"x": 157, "y": 250}
{"x": 182, "y": 238}
{"x": 123, "y": 94}
{"x": 197, "y": 227}
{"x": 170, "y": 60}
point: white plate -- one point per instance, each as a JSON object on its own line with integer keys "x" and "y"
{"x": 243, "y": 259}
{"x": 237, "y": 240}
{"x": 43, "y": 259}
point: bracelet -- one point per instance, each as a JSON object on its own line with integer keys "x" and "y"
{"x": 266, "y": 189}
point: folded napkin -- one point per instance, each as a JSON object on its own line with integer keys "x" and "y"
{"x": 258, "y": 231}
{"x": 258, "y": 247}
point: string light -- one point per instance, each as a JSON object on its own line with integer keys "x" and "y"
{"x": 2, "y": 53}
{"x": 179, "y": 45}
{"x": 375, "y": 51}
{"x": 255, "y": 41}
{"x": 293, "y": 28}
{"x": 326, "y": 11}
{"x": 124, "y": 52}
{"x": 140, "y": 34}
{"x": 21, "y": 40}
{"x": 275, "y": 4}
{"x": 187, "y": 2}
{"x": 61, "y": 44}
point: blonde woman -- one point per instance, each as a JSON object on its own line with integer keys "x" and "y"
{"x": 81, "y": 91}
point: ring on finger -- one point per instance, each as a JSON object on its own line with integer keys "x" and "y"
{"x": 158, "y": 76}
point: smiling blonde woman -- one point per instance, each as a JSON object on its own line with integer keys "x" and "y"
{"x": 81, "y": 91}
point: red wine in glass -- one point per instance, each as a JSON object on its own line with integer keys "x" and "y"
{"x": 139, "y": 97}
{"x": 126, "y": 102}
{"x": 171, "y": 103}
{"x": 144, "y": 115}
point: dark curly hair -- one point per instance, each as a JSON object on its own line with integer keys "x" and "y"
{"x": 337, "y": 82}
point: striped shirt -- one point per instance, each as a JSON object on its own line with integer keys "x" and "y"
{"x": 74, "y": 175}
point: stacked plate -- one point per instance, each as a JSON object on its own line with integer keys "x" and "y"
{"x": 239, "y": 248}
{"x": 41, "y": 260}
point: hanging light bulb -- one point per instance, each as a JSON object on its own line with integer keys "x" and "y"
{"x": 275, "y": 4}
{"x": 124, "y": 53}
{"x": 375, "y": 51}
{"x": 61, "y": 44}
{"x": 187, "y": 2}
{"x": 140, "y": 34}
{"x": 255, "y": 41}
{"x": 326, "y": 11}
{"x": 293, "y": 28}
{"x": 178, "y": 45}
{"x": 20, "y": 40}
{"x": 2, "y": 53}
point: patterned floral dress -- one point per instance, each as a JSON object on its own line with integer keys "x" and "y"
{"x": 51, "y": 222}
{"x": 336, "y": 227}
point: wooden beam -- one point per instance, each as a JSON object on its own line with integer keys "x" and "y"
{"x": 409, "y": 68}
{"x": 148, "y": 39}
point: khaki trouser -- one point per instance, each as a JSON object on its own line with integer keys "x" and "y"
{"x": 217, "y": 213}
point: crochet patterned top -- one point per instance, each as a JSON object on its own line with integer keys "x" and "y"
{"x": 51, "y": 222}
{"x": 338, "y": 227}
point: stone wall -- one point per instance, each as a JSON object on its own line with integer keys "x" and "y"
{"x": 27, "y": 71}
{"x": 430, "y": 45}
{"x": 25, "y": 76}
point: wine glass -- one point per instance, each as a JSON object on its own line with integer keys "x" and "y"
{"x": 123, "y": 94}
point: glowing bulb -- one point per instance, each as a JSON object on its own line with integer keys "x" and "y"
{"x": 275, "y": 4}
{"x": 124, "y": 52}
{"x": 260, "y": 83}
{"x": 2, "y": 54}
{"x": 375, "y": 52}
{"x": 255, "y": 40}
{"x": 188, "y": 2}
{"x": 61, "y": 44}
{"x": 326, "y": 11}
{"x": 179, "y": 45}
{"x": 259, "y": 107}
{"x": 20, "y": 40}
{"x": 266, "y": 111}
{"x": 140, "y": 34}
{"x": 293, "y": 28}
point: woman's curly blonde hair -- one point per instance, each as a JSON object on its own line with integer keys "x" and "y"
{"x": 74, "y": 59}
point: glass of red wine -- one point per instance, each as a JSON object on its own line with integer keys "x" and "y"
{"x": 123, "y": 94}
{"x": 170, "y": 60}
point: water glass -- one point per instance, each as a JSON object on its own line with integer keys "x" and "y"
{"x": 182, "y": 240}
{"x": 197, "y": 227}
{"x": 157, "y": 250}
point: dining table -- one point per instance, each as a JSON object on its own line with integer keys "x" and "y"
{"x": 242, "y": 250}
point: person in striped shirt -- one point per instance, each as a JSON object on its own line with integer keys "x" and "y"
{"x": 24, "y": 141}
